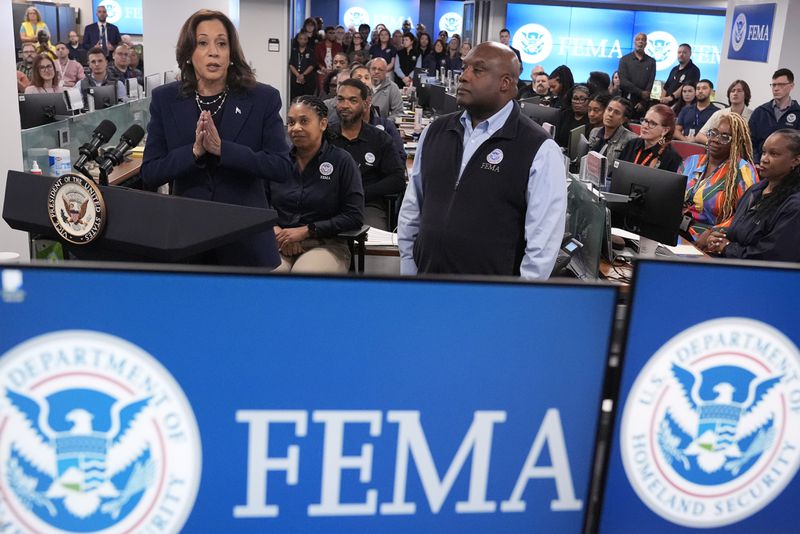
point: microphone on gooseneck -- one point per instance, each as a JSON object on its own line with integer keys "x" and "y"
{"x": 104, "y": 131}
{"x": 131, "y": 138}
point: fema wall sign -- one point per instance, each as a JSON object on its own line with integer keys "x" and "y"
{"x": 76, "y": 209}
{"x": 751, "y": 32}
{"x": 95, "y": 436}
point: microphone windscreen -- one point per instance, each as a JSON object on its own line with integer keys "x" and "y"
{"x": 134, "y": 135}
{"x": 106, "y": 130}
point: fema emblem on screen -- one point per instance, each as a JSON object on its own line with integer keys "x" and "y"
{"x": 534, "y": 43}
{"x": 113, "y": 9}
{"x": 450, "y": 22}
{"x": 663, "y": 47}
{"x": 711, "y": 428}
{"x": 355, "y": 16}
{"x": 739, "y": 32}
{"x": 95, "y": 436}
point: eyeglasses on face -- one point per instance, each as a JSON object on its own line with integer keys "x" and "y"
{"x": 45, "y": 67}
{"x": 722, "y": 138}
{"x": 580, "y": 99}
{"x": 649, "y": 123}
{"x": 779, "y": 85}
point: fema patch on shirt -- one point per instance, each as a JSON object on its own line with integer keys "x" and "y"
{"x": 495, "y": 156}
{"x": 790, "y": 118}
{"x": 380, "y": 127}
{"x": 369, "y": 157}
{"x": 326, "y": 168}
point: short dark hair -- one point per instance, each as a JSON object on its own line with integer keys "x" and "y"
{"x": 95, "y": 51}
{"x": 358, "y": 84}
{"x": 745, "y": 88}
{"x": 685, "y": 45}
{"x": 330, "y": 29}
{"x": 706, "y": 80}
{"x": 240, "y": 75}
{"x": 411, "y": 36}
{"x": 364, "y": 26}
{"x": 784, "y": 72}
{"x": 505, "y": 30}
{"x": 601, "y": 98}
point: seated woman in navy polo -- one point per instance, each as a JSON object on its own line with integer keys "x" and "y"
{"x": 323, "y": 198}
{"x": 765, "y": 226}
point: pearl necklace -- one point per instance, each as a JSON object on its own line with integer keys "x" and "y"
{"x": 221, "y": 99}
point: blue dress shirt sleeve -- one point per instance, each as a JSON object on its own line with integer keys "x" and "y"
{"x": 409, "y": 217}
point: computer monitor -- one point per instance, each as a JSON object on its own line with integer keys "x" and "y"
{"x": 534, "y": 101}
{"x": 450, "y": 104}
{"x": 170, "y": 76}
{"x": 436, "y": 94}
{"x": 151, "y": 82}
{"x": 655, "y": 207}
{"x": 419, "y": 75}
{"x": 578, "y": 144}
{"x": 105, "y": 96}
{"x": 74, "y": 98}
{"x": 541, "y": 114}
{"x": 36, "y": 110}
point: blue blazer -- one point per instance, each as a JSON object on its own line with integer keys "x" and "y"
{"x": 91, "y": 35}
{"x": 254, "y": 150}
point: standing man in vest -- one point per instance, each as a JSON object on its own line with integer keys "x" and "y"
{"x": 101, "y": 34}
{"x": 488, "y": 192}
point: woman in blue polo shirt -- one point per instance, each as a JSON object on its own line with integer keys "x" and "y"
{"x": 383, "y": 48}
{"x": 768, "y": 215}
{"x": 323, "y": 198}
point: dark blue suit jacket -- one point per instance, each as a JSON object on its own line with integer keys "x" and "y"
{"x": 91, "y": 35}
{"x": 254, "y": 150}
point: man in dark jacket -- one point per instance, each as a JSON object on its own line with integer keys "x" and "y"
{"x": 780, "y": 112}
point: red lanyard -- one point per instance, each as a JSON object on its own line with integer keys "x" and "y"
{"x": 649, "y": 157}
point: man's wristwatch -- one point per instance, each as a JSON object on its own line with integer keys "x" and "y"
{"x": 312, "y": 230}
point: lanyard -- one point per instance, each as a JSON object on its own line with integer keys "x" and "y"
{"x": 651, "y": 156}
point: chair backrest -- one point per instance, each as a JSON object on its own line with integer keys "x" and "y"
{"x": 688, "y": 149}
{"x": 635, "y": 127}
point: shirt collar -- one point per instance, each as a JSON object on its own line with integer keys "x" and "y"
{"x": 490, "y": 125}
{"x": 775, "y": 105}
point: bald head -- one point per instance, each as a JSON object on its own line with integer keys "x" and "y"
{"x": 377, "y": 69}
{"x": 489, "y": 80}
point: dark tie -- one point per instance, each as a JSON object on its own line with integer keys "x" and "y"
{"x": 103, "y": 38}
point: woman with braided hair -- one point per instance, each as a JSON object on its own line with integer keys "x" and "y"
{"x": 765, "y": 225}
{"x": 719, "y": 178}
{"x": 323, "y": 197}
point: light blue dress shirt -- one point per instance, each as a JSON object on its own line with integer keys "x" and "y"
{"x": 546, "y": 197}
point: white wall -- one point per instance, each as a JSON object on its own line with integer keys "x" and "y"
{"x": 11, "y": 155}
{"x": 783, "y": 52}
{"x": 261, "y": 20}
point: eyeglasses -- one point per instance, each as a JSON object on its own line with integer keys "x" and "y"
{"x": 45, "y": 67}
{"x": 580, "y": 99}
{"x": 778, "y": 85}
{"x": 649, "y": 123}
{"x": 722, "y": 138}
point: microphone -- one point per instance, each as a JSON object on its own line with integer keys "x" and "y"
{"x": 131, "y": 138}
{"x": 104, "y": 131}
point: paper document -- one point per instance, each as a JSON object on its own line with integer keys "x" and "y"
{"x": 378, "y": 238}
{"x": 683, "y": 250}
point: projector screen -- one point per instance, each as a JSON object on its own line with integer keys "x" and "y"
{"x": 124, "y": 14}
{"x": 587, "y": 39}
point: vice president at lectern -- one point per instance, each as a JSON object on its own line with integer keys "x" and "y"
{"x": 217, "y": 134}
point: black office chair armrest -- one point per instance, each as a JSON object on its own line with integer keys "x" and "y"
{"x": 356, "y": 237}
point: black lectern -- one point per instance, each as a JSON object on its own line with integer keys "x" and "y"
{"x": 140, "y": 226}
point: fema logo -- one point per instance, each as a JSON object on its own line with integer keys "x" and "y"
{"x": 95, "y": 436}
{"x": 663, "y": 47}
{"x": 790, "y": 118}
{"x": 355, "y": 16}
{"x": 450, "y": 22}
{"x": 326, "y": 168}
{"x": 113, "y": 9}
{"x": 739, "y": 32}
{"x": 495, "y": 156}
{"x": 534, "y": 43}
{"x": 711, "y": 428}
{"x": 369, "y": 157}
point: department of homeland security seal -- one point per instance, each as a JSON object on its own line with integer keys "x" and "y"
{"x": 711, "y": 428}
{"x": 76, "y": 208}
{"x": 95, "y": 436}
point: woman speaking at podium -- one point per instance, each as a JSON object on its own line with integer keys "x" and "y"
{"x": 217, "y": 134}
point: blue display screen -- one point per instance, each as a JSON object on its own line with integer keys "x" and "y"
{"x": 240, "y": 403}
{"x": 124, "y": 14}
{"x": 588, "y": 39}
{"x": 448, "y": 17}
{"x": 390, "y": 13}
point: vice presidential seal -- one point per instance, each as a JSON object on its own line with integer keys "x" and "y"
{"x": 711, "y": 428}
{"x": 95, "y": 436}
{"x": 76, "y": 208}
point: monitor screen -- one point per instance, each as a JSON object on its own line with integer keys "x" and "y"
{"x": 124, "y": 14}
{"x": 105, "y": 96}
{"x": 390, "y": 13}
{"x": 541, "y": 114}
{"x": 655, "y": 210}
{"x": 151, "y": 82}
{"x": 36, "y": 110}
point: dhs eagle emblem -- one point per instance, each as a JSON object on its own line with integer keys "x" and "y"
{"x": 95, "y": 436}
{"x": 711, "y": 427}
{"x": 663, "y": 47}
{"x": 534, "y": 43}
{"x": 738, "y": 32}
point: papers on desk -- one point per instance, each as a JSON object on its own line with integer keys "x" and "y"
{"x": 381, "y": 238}
{"x": 678, "y": 250}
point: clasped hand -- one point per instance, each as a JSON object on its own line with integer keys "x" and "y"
{"x": 712, "y": 242}
{"x": 289, "y": 239}
{"x": 206, "y": 136}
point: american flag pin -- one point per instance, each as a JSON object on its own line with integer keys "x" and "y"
{"x": 238, "y": 111}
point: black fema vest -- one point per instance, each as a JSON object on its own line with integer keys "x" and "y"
{"x": 477, "y": 227}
